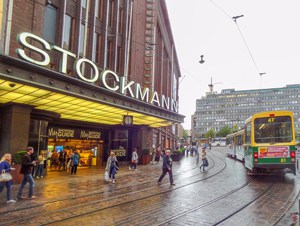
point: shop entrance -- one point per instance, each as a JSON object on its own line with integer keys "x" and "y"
{"x": 90, "y": 151}
{"x": 88, "y": 143}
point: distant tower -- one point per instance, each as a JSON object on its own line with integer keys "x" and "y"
{"x": 211, "y": 86}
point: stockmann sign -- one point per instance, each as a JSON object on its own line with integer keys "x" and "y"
{"x": 129, "y": 88}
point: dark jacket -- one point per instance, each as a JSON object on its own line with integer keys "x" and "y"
{"x": 26, "y": 164}
{"x": 167, "y": 162}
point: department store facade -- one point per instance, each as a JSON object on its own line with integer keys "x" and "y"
{"x": 88, "y": 76}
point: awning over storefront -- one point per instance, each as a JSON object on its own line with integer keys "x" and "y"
{"x": 17, "y": 86}
{"x": 71, "y": 107}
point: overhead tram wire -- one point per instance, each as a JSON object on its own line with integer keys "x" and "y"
{"x": 235, "y": 21}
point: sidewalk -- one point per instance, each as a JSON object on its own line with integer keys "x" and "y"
{"x": 58, "y": 184}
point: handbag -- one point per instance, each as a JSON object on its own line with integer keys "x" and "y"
{"x": 4, "y": 177}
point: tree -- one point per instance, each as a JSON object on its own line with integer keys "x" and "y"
{"x": 186, "y": 133}
{"x": 224, "y": 131}
{"x": 210, "y": 134}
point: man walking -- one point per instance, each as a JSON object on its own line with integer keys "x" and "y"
{"x": 167, "y": 168}
{"x": 26, "y": 170}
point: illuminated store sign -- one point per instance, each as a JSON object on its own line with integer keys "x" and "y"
{"x": 129, "y": 88}
{"x": 64, "y": 133}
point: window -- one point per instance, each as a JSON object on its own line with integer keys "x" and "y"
{"x": 120, "y": 28}
{"x": 248, "y": 134}
{"x": 83, "y": 4}
{"x": 109, "y": 54}
{"x": 273, "y": 129}
{"x": 68, "y": 33}
{"x": 99, "y": 9}
{"x": 50, "y": 23}
{"x": 98, "y": 49}
{"x": 111, "y": 13}
{"x": 119, "y": 63}
{"x": 119, "y": 143}
{"x": 81, "y": 38}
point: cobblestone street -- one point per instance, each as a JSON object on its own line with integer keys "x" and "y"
{"x": 223, "y": 195}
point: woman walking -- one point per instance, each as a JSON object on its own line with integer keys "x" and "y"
{"x": 5, "y": 165}
{"x": 134, "y": 159}
{"x": 112, "y": 166}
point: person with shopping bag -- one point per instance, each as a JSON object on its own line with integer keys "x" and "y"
{"x": 6, "y": 178}
{"x": 112, "y": 166}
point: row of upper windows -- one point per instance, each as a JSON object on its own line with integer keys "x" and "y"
{"x": 101, "y": 53}
{"x": 216, "y": 126}
{"x": 257, "y": 93}
{"x": 244, "y": 104}
{"x": 254, "y": 99}
{"x": 232, "y": 112}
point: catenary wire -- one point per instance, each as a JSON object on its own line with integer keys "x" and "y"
{"x": 245, "y": 42}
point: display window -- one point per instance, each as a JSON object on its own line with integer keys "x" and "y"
{"x": 87, "y": 149}
{"x": 86, "y": 142}
{"x": 119, "y": 144}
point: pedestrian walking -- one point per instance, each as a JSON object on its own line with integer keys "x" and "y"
{"x": 197, "y": 156}
{"x": 157, "y": 154}
{"x": 204, "y": 159}
{"x": 112, "y": 166}
{"x": 6, "y": 168}
{"x": 26, "y": 170}
{"x": 75, "y": 158}
{"x": 134, "y": 159}
{"x": 167, "y": 168}
{"x": 90, "y": 159}
{"x": 54, "y": 160}
{"x": 153, "y": 153}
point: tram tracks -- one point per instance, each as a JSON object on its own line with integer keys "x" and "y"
{"x": 126, "y": 196}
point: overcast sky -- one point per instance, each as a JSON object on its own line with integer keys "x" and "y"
{"x": 270, "y": 28}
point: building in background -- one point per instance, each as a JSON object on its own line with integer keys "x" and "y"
{"x": 89, "y": 75}
{"x": 231, "y": 108}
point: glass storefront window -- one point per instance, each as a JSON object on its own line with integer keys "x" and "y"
{"x": 119, "y": 144}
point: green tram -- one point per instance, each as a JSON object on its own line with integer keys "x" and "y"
{"x": 269, "y": 142}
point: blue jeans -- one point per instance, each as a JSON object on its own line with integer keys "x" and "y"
{"x": 39, "y": 170}
{"x": 8, "y": 189}
{"x": 29, "y": 178}
{"x": 112, "y": 173}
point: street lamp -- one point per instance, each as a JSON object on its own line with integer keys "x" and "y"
{"x": 201, "y": 60}
{"x": 211, "y": 85}
{"x": 237, "y": 17}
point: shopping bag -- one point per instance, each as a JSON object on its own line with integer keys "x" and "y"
{"x": 4, "y": 177}
{"x": 106, "y": 176}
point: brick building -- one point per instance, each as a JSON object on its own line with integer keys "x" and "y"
{"x": 89, "y": 75}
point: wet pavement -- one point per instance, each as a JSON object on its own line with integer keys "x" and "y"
{"x": 136, "y": 199}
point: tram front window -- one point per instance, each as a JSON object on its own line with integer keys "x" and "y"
{"x": 273, "y": 129}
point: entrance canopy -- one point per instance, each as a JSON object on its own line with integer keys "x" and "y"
{"x": 25, "y": 83}
{"x": 71, "y": 107}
